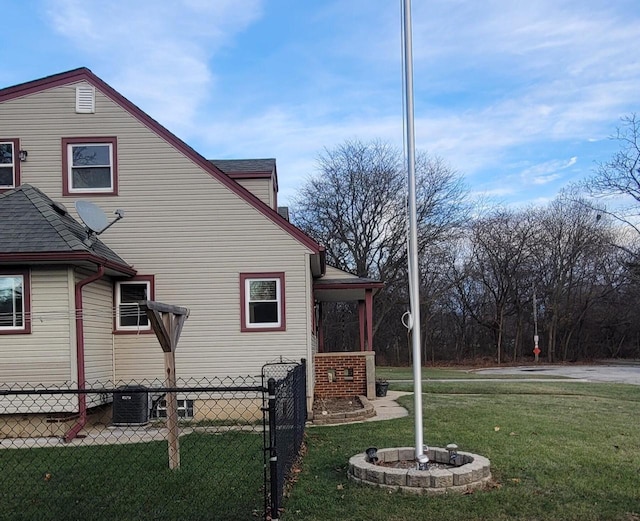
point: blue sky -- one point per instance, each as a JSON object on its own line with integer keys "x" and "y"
{"x": 519, "y": 97}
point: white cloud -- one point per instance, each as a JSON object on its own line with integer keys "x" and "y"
{"x": 156, "y": 53}
{"x": 491, "y": 77}
{"x": 544, "y": 173}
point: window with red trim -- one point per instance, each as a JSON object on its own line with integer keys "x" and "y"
{"x": 9, "y": 164}
{"x": 15, "y": 302}
{"x": 89, "y": 166}
{"x": 262, "y": 302}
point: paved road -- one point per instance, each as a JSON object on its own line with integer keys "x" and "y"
{"x": 619, "y": 373}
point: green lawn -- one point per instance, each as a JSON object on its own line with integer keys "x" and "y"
{"x": 220, "y": 478}
{"x": 558, "y": 451}
{"x": 438, "y": 373}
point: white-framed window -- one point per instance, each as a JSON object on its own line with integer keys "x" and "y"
{"x": 14, "y": 303}
{"x": 90, "y": 166}
{"x": 262, "y": 301}
{"x": 9, "y": 164}
{"x": 185, "y": 409}
{"x": 129, "y": 315}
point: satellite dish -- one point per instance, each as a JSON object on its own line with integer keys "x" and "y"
{"x": 92, "y": 216}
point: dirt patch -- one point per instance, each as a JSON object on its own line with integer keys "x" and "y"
{"x": 325, "y": 406}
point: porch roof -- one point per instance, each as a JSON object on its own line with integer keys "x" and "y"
{"x": 340, "y": 286}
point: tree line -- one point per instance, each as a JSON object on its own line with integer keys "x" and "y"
{"x": 491, "y": 278}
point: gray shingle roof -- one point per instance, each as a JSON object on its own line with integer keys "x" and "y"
{"x": 248, "y": 166}
{"x": 33, "y": 224}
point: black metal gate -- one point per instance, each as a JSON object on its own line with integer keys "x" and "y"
{"x": 285, "y": 417}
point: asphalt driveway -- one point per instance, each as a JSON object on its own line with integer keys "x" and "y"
{"x": 628, "y": 373}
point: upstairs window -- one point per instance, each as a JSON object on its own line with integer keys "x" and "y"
{"x": 262, "y": 296}
{"x": 129, "y": 316}
{"x": 90, "y": 166}
{"x": 9, "y": 164}
{"x": 14, "y": 303}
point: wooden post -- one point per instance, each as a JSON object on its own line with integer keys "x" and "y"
{"x": 173, "y": 435}
{"x": 167, "y": 321}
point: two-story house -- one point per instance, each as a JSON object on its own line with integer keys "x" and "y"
{"x": 198, "y": 233}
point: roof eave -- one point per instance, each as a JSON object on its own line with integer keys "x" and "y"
{"x": 75, "y": 258}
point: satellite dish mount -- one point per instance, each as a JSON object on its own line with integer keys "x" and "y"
{"x": 95, "y": 219}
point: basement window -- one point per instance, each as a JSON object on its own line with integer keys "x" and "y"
{"x": 185, "y": 409}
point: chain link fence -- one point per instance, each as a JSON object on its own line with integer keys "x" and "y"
{"x": 113, "y": 464}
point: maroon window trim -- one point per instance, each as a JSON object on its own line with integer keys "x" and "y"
{"x": 26, "y": 296}
{"x": 243, "y": 302}
{"x": 152, "y": 295}
{"x": 16, "y": 163}
{"x": 94, "y": 140}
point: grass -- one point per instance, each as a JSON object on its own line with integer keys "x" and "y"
{"x": 438, "y": 373}
{"x": 560, "y": 452}
{"x": 220, "y": 478}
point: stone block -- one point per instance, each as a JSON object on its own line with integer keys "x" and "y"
{"x": 375, "y": 474}
{"x": 477, "y": 471}
{"x": 388, "y": 455}
{"x": 441, "y": 478}
{"x": 461, "y": 476}
{"x": 396, "y": 477}
{"x": 441, "y": 456}
{"x": 418, "y": 478}
{"x": 406, "y": 454}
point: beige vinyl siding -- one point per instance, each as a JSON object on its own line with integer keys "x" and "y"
{"x": 47, "y": 355}
{"x": 182, "y": 226}
{"x": 97, "y": 300}
{"x": 261, "y": 188}
{"x": 44, "y": 355}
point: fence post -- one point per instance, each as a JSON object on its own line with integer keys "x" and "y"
{"x": 273, "y": 453}
{"x": 301, "y": 402}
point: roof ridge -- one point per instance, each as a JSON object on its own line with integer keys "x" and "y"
{"x": 164, "y": 133}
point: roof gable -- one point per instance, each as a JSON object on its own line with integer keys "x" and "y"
{"x": 84, "y": 74}
{"x": 36, "y": 228}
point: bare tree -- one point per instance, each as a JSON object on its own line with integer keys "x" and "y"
{"x": 356, "y": 206}
{"x": 620, "y": 176}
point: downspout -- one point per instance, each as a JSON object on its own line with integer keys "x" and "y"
{"x": 82, "y": 397}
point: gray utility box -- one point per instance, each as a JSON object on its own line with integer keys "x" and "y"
{"x": 130, "y": 405}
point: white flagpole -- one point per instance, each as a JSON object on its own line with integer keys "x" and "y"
{"x": 414, "y": 279}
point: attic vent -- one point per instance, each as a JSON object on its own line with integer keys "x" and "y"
{"x": 85, "y": 99}
{"x": 59, "y": 207}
